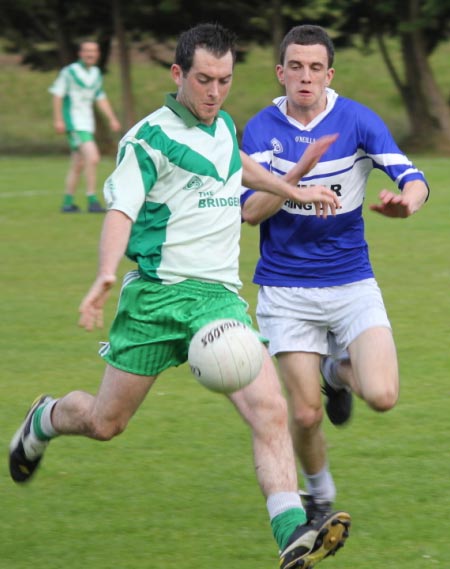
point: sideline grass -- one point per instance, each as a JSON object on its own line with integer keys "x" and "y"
{"x": 177, "y": 489}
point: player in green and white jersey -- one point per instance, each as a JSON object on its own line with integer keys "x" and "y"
{"x": 173, "y": 204}
{"x": 75, "y": 91}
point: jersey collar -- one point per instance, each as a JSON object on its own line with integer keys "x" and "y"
{"x": 185, "y": 114}
{"x": 281, "y": 103}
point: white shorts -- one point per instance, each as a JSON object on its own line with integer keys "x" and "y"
{"x": 323, "y": 320}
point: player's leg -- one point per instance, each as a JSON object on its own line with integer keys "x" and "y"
{"x": 106, "y": 414}
{"x": 100, "y": 417}
{"x": 291, "y": 319}
{"x": 300, "y": 374}
{"x": 361, "y": 325}
{"x": 72, "y": 180}
{"x": 263, "y": 407}
{"x": 374, "y": 368}
{"x": 91, "y": 157}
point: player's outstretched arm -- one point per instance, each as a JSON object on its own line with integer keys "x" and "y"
{"x": 402, "y": 205}
{"x": 261, "y": 206}
{"x": 309, "y": 158}
{"x": 113, "y": 243}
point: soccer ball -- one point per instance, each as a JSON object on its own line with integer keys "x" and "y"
{"x": 225, "y": 355}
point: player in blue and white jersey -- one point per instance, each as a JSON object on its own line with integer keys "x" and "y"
{"x": 318, "y": 295}
{"x": 78, "y": 87}
{"x": 174, "y": 209}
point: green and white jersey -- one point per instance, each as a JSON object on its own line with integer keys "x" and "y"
{"x": 79, "y": 87}
{"x": 180, "y": 182}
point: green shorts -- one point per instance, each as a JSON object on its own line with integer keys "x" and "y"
{"x": 154, "y": 323}
{"x": 78, "y": 137}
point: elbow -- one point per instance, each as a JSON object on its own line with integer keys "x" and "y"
{"x": 249, "y": 218}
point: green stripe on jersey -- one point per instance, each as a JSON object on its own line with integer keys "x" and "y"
{"x": 178, "y": 154}
{"x": 235, "y": 160}
{"x": 67, "y": 114}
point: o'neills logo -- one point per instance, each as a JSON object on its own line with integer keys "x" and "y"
{"x": 215, "y": 333}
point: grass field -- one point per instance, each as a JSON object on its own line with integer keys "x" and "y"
{"x": 177, "y": 489}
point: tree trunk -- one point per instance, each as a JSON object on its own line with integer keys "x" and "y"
{"x": 66, "y": 53}
{"x": 277, "y": 28}
{"x": 128, "y": 114}
{"x": 427, "y": 108}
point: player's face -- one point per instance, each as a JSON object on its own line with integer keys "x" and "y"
{"x": 305, "y": 76}
{"x": 89, "y": 53}
{"x": 206, "y": 86}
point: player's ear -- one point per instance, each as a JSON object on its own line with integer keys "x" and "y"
{"x": 330, "y": 75}
{"x": 177, "y": 74}
{"x": 279, "y": 70}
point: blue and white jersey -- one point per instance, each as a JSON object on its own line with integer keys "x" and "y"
{"x": 296, "y": 247}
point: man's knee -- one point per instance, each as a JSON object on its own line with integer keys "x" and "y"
{"x": 278, "y": 410}
{"x": 382, "y": 400}
{"x": 306, "y": 418}
{"x": 105, "y": 430}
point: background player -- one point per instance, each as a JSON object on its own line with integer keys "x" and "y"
{"x": 75, "y": 91}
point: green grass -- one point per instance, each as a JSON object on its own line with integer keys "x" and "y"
{"x": 177, "y": 489}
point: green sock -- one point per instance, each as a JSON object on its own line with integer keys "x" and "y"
{"x": 37, "y": 424}
{"x": 284, "y": 525}
{"x": 68, "y": 199}
{"x": 92, "y": 198}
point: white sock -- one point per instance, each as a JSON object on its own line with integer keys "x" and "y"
{"x": 321, "y": 485}
{"x": 281, "y": 502}
{"x": 46, "y": 420}
{"x": 331, "y": 373}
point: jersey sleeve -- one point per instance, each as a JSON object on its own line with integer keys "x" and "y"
{"x": 60, "y": 85}
{"x": 381, "y": 147}
{"x": 127, "y": 186}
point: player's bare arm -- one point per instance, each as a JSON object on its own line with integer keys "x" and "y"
{"x": 58, "y": 121}
{"x": 402, "y": 205}
{"x": 113, "y": 243}
{"x": 106, "y": 109}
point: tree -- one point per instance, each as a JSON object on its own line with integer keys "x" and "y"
{"x": 419, "y": 26}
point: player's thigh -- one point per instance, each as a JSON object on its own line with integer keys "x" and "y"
{"x": 90, "y": 152}
{"x": 301, "y": 376}
{"x": 300, "y": 373}
{"x": 374, "y": 362}
{"x": 120, "y": 394}
{"x": 262, "y": 400}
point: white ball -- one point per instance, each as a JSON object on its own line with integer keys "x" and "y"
{"x": 225, "y": 355}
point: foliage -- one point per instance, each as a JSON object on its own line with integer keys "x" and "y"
{"x": 367, "y": 19}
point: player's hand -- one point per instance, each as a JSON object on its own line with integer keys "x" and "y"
{"x": 91, "y": 307}
{"x": 115, "y": 125}
{"x": 392, "y": 205}
{"x": 60, "y": 127}
{"x": 325, "y": 201}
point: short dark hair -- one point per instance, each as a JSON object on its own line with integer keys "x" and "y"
{"x": 212, "y": 37}
{"x": 308, "y": 35}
